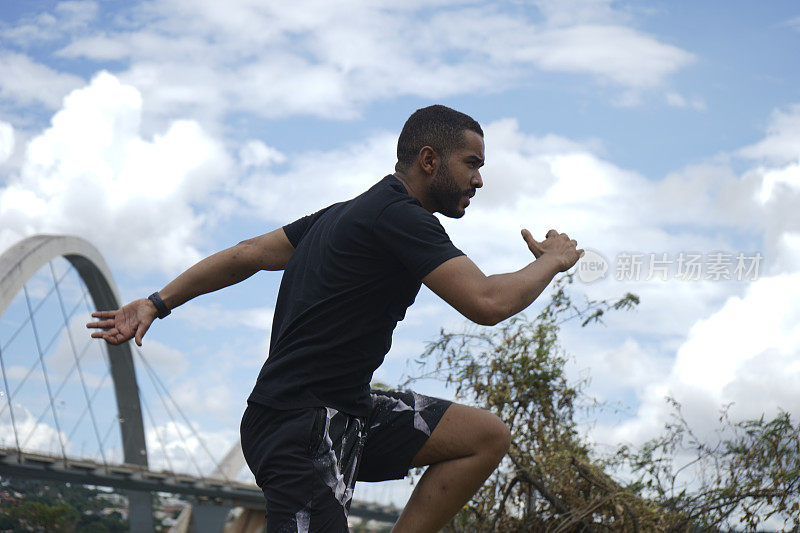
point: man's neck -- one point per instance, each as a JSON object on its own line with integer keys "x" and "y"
{"x": 414, "y": 188}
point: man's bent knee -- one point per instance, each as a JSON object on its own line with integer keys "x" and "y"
{"x": 489, "y": 434}
{"x": 464, "y": 431}
{"x": 498, "y": 440}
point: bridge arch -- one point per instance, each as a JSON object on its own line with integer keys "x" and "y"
{"x": 18, "y": 264}
{"x": 22, "y": 260}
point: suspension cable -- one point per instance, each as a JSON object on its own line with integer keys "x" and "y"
{"x": 83, "y": 413}
{"x": 114, "y": 422}
{"x": 44, "y": 372}
{"x": 77, "y": 364}
{"x": 33, "y": 367}
{"x": 30, "y": 316}
{"x": 104, "y": 355}
{"x": 56, "y": 394}
{"x": 180, "y": 411}
{"x": 60, "y": 387}
{"x": 169, "y": 412}
{"x": 156, "y": 381}
{"x": 158, "y": 434}
{"x": 8, "y": 399}
{"x": 102, "y": 351}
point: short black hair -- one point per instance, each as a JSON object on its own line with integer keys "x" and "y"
{"x": 436, "y": 126}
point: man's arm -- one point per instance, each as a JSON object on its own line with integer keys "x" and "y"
{"x": 270, "y": 251}
{"x": 488, "y": 300}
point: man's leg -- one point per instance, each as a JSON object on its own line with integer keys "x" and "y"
{"x": 304, "y": 460}
{"x": 463, "y": 450}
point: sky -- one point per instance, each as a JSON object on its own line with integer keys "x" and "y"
{"x": 658, "y": 134}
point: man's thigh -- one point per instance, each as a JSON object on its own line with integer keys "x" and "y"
{"x": 300, "y": 460}
{"x": 400, "y": 424}
{"x": 463, "y": 431}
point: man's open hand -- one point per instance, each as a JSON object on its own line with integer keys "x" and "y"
{"x": 128, "y": 322}
{"x": 557, "y": 245}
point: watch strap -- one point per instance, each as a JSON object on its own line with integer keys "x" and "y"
{"x": 161, "y": 308}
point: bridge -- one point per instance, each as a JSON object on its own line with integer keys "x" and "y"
{"x": 78, "y": 410}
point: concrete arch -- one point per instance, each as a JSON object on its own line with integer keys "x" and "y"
{"x": 21, "y": 261}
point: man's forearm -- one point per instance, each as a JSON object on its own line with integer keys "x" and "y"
{"x": 515, "y": 291}
{"x": 212, "y": 273}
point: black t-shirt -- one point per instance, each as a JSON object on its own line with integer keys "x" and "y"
{"x": 356, "y": 267}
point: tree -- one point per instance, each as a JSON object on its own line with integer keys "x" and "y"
{"x": 61, "y": 517}
{"x": 552, "y": 480}
{"x": 57, "y": 506}
{"x": 747, "y": 476}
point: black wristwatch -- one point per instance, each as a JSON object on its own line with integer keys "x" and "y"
{"x": 161, "y": 308}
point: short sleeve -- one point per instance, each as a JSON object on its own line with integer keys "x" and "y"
{"x": 415, "y": 237}
{"x": 295, "y": 230}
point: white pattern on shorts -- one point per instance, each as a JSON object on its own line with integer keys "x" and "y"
{"x": 329, "y": 465}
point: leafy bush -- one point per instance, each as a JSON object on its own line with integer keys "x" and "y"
{"x": 552, "y": 480}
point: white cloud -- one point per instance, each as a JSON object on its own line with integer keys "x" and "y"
{"x": 747, "y": 349}
{"x": 29, "y": 31}
{"x": 98, "y": 47}
{"x": 167, "y": 360}
{"x": 787, "y": 251}
{"x": 709, "y": 195}
{"x": 331, "y": 59}
{"x": 747, "y": 352}
{"x": 26, "y": 82}
{"x": 67, "y": 18}
{"x": 208, "y": 317}
{"x": 777, "y": 187}
{"x": 77, "y": 13}
{"x": 764, "y": 319}
{"x": 92, "y": 174}
{"x": 175, "y": 444}
{"x": 626, "y": 366}
{"x": 209, "y": 397}
{"x": 574, "y": 12}
{"x": 255, "y": 153}
{"x": 677, "y": 100}
{"x": 775, "y": 179}
{"x": 37, "y": 436}
{"x": 313, "y": 180}
{"x": 6, "y": 141}
{"x": 782, "y": 143}
{"x": 615, "y": 53}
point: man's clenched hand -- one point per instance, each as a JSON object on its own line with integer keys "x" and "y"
{"x": 128, "y": 322}
{"x": 559, "y": 246}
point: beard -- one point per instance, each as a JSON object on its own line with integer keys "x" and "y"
{"x": 446, "y": 193}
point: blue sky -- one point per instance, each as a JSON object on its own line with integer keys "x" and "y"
{"x": 163, "y": 131}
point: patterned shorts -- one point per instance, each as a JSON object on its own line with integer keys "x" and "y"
{"x": 307, "y": 460}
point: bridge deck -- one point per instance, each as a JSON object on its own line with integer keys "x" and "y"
{"x": 134, "y": 477}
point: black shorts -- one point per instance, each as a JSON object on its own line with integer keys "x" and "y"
{"x": 307, "y": 460}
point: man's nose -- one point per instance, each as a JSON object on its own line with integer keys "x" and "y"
{"x": 477, "y": 180}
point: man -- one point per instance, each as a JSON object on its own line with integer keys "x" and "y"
{"x": 312, "y": 426}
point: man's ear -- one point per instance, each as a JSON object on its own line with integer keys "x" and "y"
{"x": 429, "y": 160}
